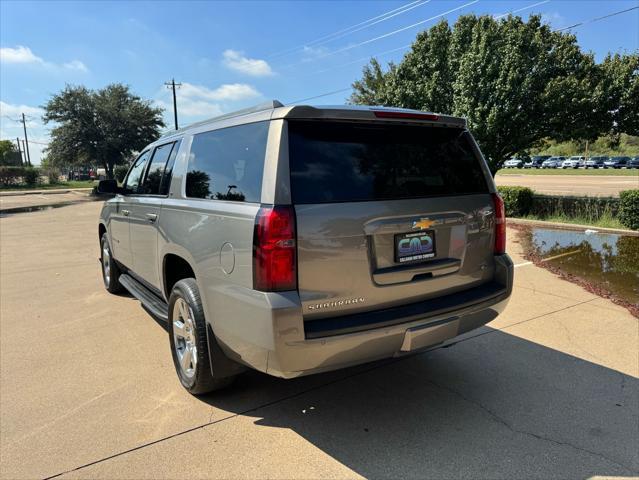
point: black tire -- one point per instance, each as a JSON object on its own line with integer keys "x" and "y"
{"x": 201, "y": 380}
{"x": 112, "y": 279}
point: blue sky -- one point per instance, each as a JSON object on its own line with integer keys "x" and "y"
{"x": 229, "y": 55}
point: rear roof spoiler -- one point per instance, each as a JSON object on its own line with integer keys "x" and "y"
{"x": 368, "y": 113}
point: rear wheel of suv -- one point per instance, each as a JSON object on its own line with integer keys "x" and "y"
{"x": 110, "y": 270}
{"x": 187, "y": 336}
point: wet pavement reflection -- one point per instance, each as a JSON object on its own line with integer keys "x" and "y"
{"x": 604, "y": 260}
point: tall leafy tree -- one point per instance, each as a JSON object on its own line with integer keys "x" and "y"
{"x": 517, "y": 82}
{"x": 9, "y": 153}
{"x": 619, "y": 93}
{"x": 103, "y": 126}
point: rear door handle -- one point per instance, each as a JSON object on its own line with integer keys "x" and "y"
{"x": 152, "y": 217}
{"x": 125, "y": 213}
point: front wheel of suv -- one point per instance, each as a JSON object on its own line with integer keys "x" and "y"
{"x": 187, "y": 336}
{"x": 110, "y": 269}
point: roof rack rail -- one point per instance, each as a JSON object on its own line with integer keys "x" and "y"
{"x": 270, "y": 105}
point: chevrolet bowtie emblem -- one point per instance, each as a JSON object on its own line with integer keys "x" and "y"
{"x": 423, "y": 223}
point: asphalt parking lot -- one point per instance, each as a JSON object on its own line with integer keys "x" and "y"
{"x": 88, "y": 390}
{"x": 600, "y": 186}
{"x": 10, "y": 201}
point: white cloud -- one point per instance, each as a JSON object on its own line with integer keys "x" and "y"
{"x": 15, "y": 111}
{"x": 200, "y": 101}
{"x": 24, "y": 55}
{"x": 76, "y": 65}
{"x": 19, "y": 54}
{"x": 228, "y": 92}
{"x": 250, "y": 66}
{"x": 555, "y": 19}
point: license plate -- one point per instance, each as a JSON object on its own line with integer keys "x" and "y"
{"x": 414, "y": 246}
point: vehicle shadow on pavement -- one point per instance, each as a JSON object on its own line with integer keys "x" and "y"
{"x": 492, "y": 406}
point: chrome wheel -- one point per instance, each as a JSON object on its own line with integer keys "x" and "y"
{"x": 184, "y": 337}
{"x": 106, "y": 264}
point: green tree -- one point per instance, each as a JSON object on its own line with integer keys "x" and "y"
{"x": 619, "y": 91}
{"x": 103, "y": 126}
{"x": 517, "y": 83}
{"x": 9, "y": 154}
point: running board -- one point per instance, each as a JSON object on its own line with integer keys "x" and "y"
{"x": 151, "y": 301}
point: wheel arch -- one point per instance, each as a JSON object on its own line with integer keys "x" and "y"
{"x": 101, "y": 230}
{"x": 174, "y": 269}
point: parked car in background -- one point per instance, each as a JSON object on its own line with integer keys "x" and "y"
{"x": 514, "y": 163}
{"x": 536, "y": 161}
{"x": 573, "y": 162}
{"x": 617, "y": 162}
{"x": 633, "y": 163}
{"x": 596, "y": 162}
{"x": 245, "y": 234}
{"x": 553, "y": 162}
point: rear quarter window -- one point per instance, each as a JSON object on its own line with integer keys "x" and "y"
{"x": 228, "y": 164}
{"x": 349, "y": 162}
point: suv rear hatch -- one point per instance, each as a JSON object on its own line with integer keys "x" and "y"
{"x": 388, "y": 214}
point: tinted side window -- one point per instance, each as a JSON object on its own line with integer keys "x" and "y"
{"x": 228, "y": 164}
{"x": 168, "y": 170}
{"x": 132, "y": 182}
{"x": 155, "y": 172}
{"x": 349, "y": 162}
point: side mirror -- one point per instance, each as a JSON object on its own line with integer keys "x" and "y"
{"x": 107, "y": 187}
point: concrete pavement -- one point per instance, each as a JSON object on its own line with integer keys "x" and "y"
{"x": 9, "y": 203}
{"x": 87, "y": 386}
{"x": 578, "y": 185}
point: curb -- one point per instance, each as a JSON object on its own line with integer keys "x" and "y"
{"x": 570, "y": 226}
{"x": 53, "y": 191}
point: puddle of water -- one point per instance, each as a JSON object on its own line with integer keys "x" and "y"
{"x": 605, "y": 260}
{"x": 38, "y": 208}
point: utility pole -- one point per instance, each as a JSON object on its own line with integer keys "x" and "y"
{"x": 19, "y": 150}
{"x": 26, "y": 140}
{"x": 172, "y": 85}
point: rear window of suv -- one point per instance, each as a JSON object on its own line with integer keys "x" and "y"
{"x": 227, "y": 164}
{"x": 350, "y": 162}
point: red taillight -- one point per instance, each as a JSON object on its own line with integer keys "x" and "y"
{"x": 274, "y": 250}
{"x": 500, "y": 224}
{"x": 406, "y": 115}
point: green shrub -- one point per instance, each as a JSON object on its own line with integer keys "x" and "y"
{"x": 53, "y": 174}
{"x": 592, "y": 209}
{"x": 119, "y": 172}
{"x": 517, "y": 200}
{"x": 629, "y": 208}
{"x": 31, "y": 176}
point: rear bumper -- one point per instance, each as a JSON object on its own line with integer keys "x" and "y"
{"x": 284, "y": 348}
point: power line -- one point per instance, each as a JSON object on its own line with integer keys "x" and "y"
{"x": 409, "y": 45}
{"x": 345, "y": 31}
{"x": 497, "y": 17}
{"x": 373, "y": 23}
{"x": 400, "y": 48}
{"x": 38, "y": 143}
{"x": 394, "y": 32}
{"x": 319, "y": 96}
{"x": 403, "y": 47}
{"x": 596, "y": 19}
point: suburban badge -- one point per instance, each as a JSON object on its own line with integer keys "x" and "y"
{"x": 336, "y": 303}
